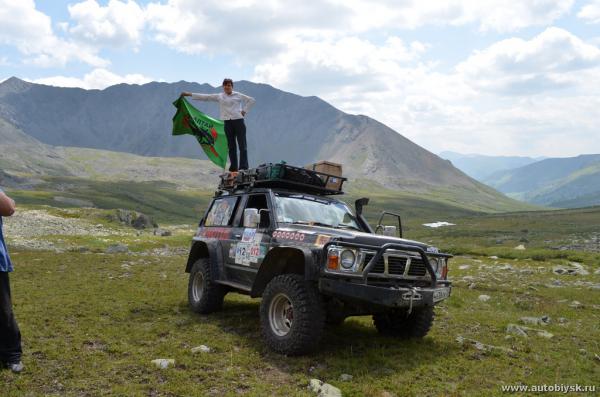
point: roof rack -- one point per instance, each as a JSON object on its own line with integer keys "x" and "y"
{"x": 282, "y": 175}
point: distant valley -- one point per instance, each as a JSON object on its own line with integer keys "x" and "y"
{"x": 555, "y": 182}
{"x": 481, "y": 166}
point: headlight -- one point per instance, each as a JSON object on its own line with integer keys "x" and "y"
{"x": 435, "y": 263}
{"x": 341, "y": 259}
{"x": 347, "y": 259}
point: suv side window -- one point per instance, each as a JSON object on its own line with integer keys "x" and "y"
{"x": 221, "y": 211}
{"x": 259, "y": 201}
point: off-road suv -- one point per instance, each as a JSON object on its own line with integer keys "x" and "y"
{"x": 313, "y": 260}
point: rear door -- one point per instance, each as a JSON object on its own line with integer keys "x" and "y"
{"x": 248, "y": 246}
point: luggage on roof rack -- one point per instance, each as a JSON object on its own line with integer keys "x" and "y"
{"x": 282, "y": 175}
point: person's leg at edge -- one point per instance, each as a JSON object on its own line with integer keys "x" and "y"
{"x": 241, "y": 140}
{"x": 230, "y": 133}
{"x": 10, "y": 335}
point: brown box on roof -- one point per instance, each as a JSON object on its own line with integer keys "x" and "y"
{"x": 334, "y": 182}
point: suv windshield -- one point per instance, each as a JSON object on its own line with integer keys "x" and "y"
{"x": 311, "y": 210}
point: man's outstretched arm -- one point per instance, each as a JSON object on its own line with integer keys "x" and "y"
{"x": 202, "y": 97}
{"x": 7, "y": 205}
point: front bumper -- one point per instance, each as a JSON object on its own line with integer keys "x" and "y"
{"x": 397, "y": 297}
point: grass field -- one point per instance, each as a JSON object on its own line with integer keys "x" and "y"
{"x": 92, "y": 322}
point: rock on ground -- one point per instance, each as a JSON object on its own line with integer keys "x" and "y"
{"x": 576, "y": 305}
{"x": 117, "y": 249}
{"x": 324, "y": 389}
{"x": 136, "y": 219}
{"x": 163, "y": 363}
{"x": 484, "y": 298}
{"x": 162, "y": 232}
{"x": 524, "y": 331}
{"x": 544, "y": 320}
{"x": 201, "y": 349}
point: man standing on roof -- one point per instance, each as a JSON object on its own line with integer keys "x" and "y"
{"x": 234, "y": 106}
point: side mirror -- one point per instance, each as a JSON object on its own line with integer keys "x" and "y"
{"x": 360, "y": 203}
{"x": 389, "y": 231}
{"x": 251, "y": 218}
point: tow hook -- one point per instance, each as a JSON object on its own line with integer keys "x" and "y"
{"x": 411, "y": 296}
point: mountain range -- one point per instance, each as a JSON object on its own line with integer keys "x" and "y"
{"x": 481, "y": 166}
{"x": 49, "y": 126}
{"x": 555, "y": 182}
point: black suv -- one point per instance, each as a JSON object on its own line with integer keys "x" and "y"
{"x": 313, "y": 261}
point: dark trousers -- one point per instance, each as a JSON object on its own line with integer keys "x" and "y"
{"x": 236, "y": 131}
{"x": 10, "y": 336}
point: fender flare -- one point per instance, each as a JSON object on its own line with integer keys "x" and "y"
{"x": 285, "y": 260}
{"x": 206, "y": 249}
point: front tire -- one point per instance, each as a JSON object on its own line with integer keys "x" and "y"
{"x": 396, "y": 323}
{"x": 292, "y": 316}
{"x": 204, "y": 295}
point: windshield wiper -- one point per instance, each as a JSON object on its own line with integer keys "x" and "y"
{"x": 340, "y": 226}
{"x": 311, "y": 223}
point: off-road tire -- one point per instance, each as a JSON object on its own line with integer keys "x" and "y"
{"x": 396, "y": 323}
{"x": 308, "y": 314}
{"x": 208, "y": 298}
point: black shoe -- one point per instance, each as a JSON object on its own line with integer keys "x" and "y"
{"x": 16, "y": 367}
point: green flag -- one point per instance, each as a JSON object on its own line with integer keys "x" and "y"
{"x": 209, "y": 132}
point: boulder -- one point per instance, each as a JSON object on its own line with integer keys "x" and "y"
{"x": 135, "y": 219}
{"x": 324, "y": 389}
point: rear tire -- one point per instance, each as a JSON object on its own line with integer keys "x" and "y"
{"x": 204, "y": 295}
{"x": 396, "y": 323}
{"x": 292, "y": 316}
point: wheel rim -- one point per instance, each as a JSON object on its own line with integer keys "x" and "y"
{"x": 197, "y": 286}
{"x": 281, "y": 314}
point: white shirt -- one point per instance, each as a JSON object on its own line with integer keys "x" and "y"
{"x": 231, "y": 105}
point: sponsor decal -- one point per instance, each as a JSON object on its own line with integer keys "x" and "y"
{"x": 322, "y": 240}
{"x": 247, "y": 253}
{"x": 289, "y": 235}
{"x": 248, "y": 235}
{"x": 219, "y": 233}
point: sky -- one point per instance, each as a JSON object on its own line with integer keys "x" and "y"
{"x": 493, "y": 77}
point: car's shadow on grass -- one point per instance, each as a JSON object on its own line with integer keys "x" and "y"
{"x": 353, "y": 346}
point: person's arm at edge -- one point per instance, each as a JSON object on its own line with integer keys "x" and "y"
{"x": 7, "y": 205}
{"x": 202, "y": 97}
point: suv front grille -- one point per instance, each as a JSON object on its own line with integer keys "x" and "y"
{"x": 396, "y": 265}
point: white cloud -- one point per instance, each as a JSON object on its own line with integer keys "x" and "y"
{"x": 96, "y": 79}
{"x": 590, "y": 12}
{"x": 117, "y": 24}
{"x": 254, "y": 29}
{"x": 551, "y": 60}
{"x": 489, "y": 15}
{"x": 30, "y": 31}
{"x": 466, "y": 109}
